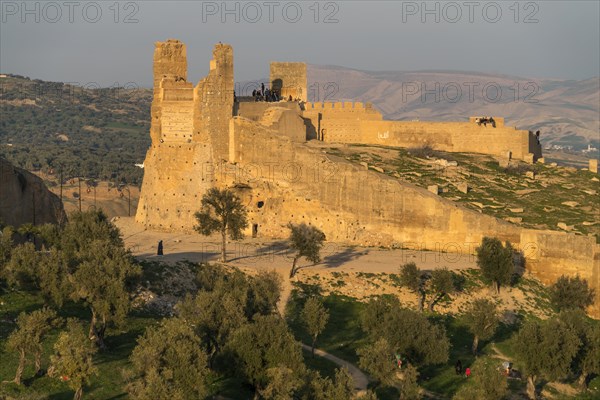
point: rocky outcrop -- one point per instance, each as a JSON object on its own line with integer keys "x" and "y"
{"x": 24, "y": 198}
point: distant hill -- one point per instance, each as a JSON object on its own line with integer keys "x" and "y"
{"x": 93, "y": 133}
{"x": 567, "y": 112}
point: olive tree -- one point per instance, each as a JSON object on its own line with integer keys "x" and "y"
{"x": 378, "y": 360}
{"x": 168, "y": 363}
{"x": 442, "y": 283}
{"x": 282, "y": 384}
{"x": 72, "y": 361}
{"x": 306, "y": 241}
{"x": 546, "y": 349}
{"x": 315, "y": 316}
{"x": 496, "y": 261}
{"x": 214, "y": 316}
{"x": 101, "y": 282}
{"x": 415, "y": 280}
{"x": 85, "y": 227}
{"x": 408, "y": 332}
{"x": 29, "y": 336}
{"x": 571, "y": 293}
{"x": 6, "y": 246}
{"x": 222, "y": 211}
{"x": 482, "y": 321}
{"x": 20, "y": 270}
{"x": 261, "y": 345}
{"x": 587, "y": 359}
{"x": 487, "y": 382}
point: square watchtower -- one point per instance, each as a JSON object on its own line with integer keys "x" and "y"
{"x": 289, "y": 79}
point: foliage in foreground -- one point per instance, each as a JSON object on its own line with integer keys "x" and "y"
{"x": 496, "y": 261}
{"x": 168, "y": 363}
{"x": 570, "y": 293}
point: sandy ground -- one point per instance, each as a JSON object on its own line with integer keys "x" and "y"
{"x": 273, "y": 254}
{"x": 353, "y": 271}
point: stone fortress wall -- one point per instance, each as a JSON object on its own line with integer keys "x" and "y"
{"x": 348, "y": 122}
{"x": 202, "y": 139}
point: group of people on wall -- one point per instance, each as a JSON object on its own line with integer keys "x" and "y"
{"x": 269, "y": 95}
{"x": 485, "y": 120}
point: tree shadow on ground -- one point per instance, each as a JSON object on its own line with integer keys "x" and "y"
{"x": 342, "y": 257}
{"x": 119, "y": 346}
{"x": 62, "y": 395}
{"x": 119, "y": 396}
{"x": 279, "y": 248}
{"x": 170, "y": 258}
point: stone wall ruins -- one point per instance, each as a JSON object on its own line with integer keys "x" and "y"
{"x": 190, "y": 134}
{"x": 201, "y": 139}
{"x": 354, "y": 123}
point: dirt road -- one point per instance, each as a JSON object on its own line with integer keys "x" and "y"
{"x": 274, "y": 255}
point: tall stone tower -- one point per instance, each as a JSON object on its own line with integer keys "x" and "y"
{"x": 170, "y": 64}
{"x": 289, "y": 79}
{"x": 190, "y": 136}
{"x": 214, "y": 95}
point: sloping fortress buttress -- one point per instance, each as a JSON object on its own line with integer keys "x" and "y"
{"x": 203, "y": 137}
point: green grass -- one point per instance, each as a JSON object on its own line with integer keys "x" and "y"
{"x": 442, "y": 378}
{"x": 120, "y": 341}
{"x": 108, "y": 384}
{"x": 342, "y": 335}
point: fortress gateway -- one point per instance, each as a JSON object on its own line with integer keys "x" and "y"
{"x": 202, "y": 137}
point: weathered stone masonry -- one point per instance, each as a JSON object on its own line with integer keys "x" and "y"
{"x": 201, "y": 139}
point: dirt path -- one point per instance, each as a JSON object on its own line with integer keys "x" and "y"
{"x": 286, "y": 292}
{"x": 499, "y": 354}
{"x": 361, "y": 381}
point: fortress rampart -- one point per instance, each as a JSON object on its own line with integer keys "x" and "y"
{"x": 347, "y": 122}
{"x": 201, "y": 138}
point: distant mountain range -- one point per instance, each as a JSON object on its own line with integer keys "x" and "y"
{"x": 567, "y": 112}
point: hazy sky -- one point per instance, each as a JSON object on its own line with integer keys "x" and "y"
{"x": 106, "y": 42}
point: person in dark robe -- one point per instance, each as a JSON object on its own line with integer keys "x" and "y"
{"x": 458, "y": 367}
{"x": 159, "y": 251}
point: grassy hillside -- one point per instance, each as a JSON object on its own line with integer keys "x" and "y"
{"x": 94, "y": 133}
{"x": 554, "y": 194}
{"x": 102, "y": 133}
{"x": 343, "y": 335}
